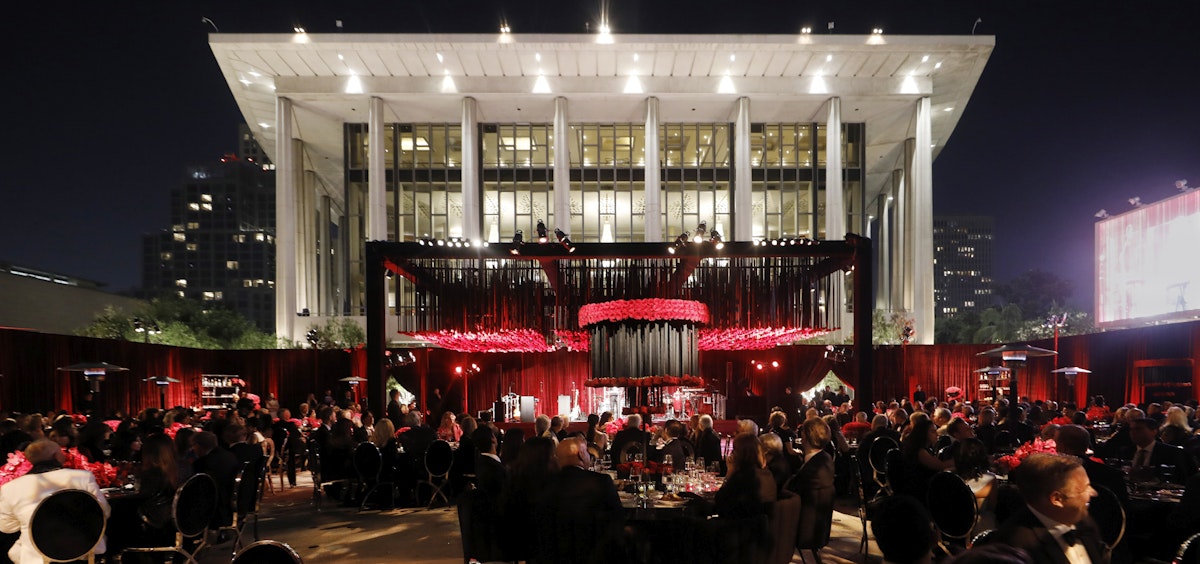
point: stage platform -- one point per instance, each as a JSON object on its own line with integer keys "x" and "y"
{"x": 726, "y": 427}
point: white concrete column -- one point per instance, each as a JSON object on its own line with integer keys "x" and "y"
{"x": 883, "y": 270}
{"x": 922, "y": 227}
{"x": 653, "y": 171}
{"x": 904, "y": 222}
{"x": 562, "y": 168}
{"x": 306, "y": 239}
{"x": 376, "y": 173}
{"x": 835, "y": 207}
{"x": 285, "y": 220}
{"x": 472, "y": 195}
{"x": 743, "y": 199}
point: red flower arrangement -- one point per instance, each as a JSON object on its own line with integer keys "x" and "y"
{"x": 651, "y": 309}
{"x": 644, "y": 410}
{"x": 645, "y": 381}
{"x": 113, "y": 424}
{"x": 173, "y": 429}
{"x": 17, "y": 466}
{"x": 755, "y": 339}
{"x": 521, "y": 340}
{"x": 1060, "y": 420}
{"x": 1009, "y": 462}
{"x": 651, "y": 468}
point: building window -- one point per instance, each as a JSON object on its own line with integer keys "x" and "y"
{"x": 608, "y": 199}
{"x": 696, "y": 172}
{"x": 239, "y": 238}
{"x": 231, "y": 265}
{"x": 192, "y": 246}
{"x": 193, "y": 225}
{"x": 212, "y": 296}
{"x": 518, "y": 180}
{"x": 165, "y": 256}
{"x": 180, "y": 237}
{"x": 182, "y": 282}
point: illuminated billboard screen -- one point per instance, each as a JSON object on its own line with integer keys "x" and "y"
{"x": 1148, "y": 263}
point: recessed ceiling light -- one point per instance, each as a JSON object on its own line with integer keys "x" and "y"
{"x": 635, "y": 56}
{"x": 937, "y": 66}
{"x": 732, "y": 58}
{"x": 925, "y": 59}
{"x": 828, "y": 58}
{"x": 537, "y": 57}
{"x": 341, "y": 57}
{"x": 439, "y": 56}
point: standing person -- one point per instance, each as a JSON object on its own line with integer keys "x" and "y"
{"x": 288, "y": 440}
{"x": 1054, "y": 526}
{"x": 708, "y": 446}
{"x": 919, "y": 396}
{"x": 20, "y": 497}
{"x": 394, "y": 411}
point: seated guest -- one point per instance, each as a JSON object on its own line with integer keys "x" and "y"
{"x": 748, "y": 485}
{"x": 631, "y": 438}
{"x": 903, "y": 530}
{"x": 536, "y": 465}
{"x": 596, "y": 438}
{"x": 814, "y": 481}
{"x": 20, "y": 497}
{"x": 674, "y": 445}
{"x": 1176, "y": 430}
{"x": 856, "y": 429}
{"x": 1075, "y": 441}
{"x": 449, "y": 430}
{"x": 93, "y": 440}
{"x": 223, "y": 466}
{"x": 1148, "y": 454}
{"x": 490, "y": 474}
{"x": 384, "y": 437}
{"x": 558, "y": 427}
{"x": 747, "y": 425}
{"x": 708, "y": 446}
{"x": 973, "y": 464}
{"x": 776, "y": 460}
{"x": 580, "y": 513}
{"x": 957, "y": 431}
{"x": 919, "y": 462}
{"x": 778, "y": 424}
{"x": 511, "y": 449}
{"x": 158, "y": 478}
{"x": 1054, "y": 526}
{"x": 985, "y": 428}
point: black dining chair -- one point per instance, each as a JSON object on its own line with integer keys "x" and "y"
{"x": 856, "y": 468}
{"x": 783, "y": 523}
{"x": 897, "y": 473}
{"x": 953, "y": 508}
{"x": 368, "y": 463}
{"x": 1106, "y": 510}
{"x": 247, "y": 498}
{"x": 629, "y": 450}
{"x": 192, "y": 510}
{"x": 984, "y": 537}
{"x": 877, "y": 456}
{"x": 67, "y": 526}
{"x": 478, "y": 526}
{"x": 1189, "y": 551}
{"x": 439, "y": 459}
{"x": 267, "y": 552}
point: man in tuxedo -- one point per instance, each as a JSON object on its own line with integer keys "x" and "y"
{"x": 394, "y": 411}
{"x": 490, "y": 475}
{"x": 287, "y": 434}
{"x": 1149, "y": 454}
{"x": 919, "y": 396}
{"x": 814, "y": 480}
{"x": 1054, "y": 527}
{"x": 222, "y": 466}
{"x": 631, "y": 434}
{"x": 676, "y": 446}
{"x": 581, "y": 514}
{"x": 1075, "y": 441}
{"x": 709, "y": 444}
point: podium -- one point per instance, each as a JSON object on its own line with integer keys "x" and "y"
{"x": 528, "y": 411}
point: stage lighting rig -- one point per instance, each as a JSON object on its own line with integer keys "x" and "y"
{"x": 542, "y": 232}
{"x": 517, "y": 240}
{"x": 564, "y": 240}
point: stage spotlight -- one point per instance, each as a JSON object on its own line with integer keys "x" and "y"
{"x": 1102, "y": 214}
{"x": 1135, "y": 202}
{"x": 458, "y": 370}
{"x": 1182, "y": 186}
{"x": 542, "y": 233}
{"x": 714, "y": 237}
{"x": 680, "y": 241}
{"x": 701, "y": 230}
{"x": 518, "y": 240}
{"x": 564, "y": 240}
{"x": 774, "y": 364}
{"x": 759, "y": 366}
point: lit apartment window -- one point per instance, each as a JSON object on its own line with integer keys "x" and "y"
{"x": 180, "y": 237}
{"x": 180, "y": 293}
{"x": 969, "y": 304}
{"x": 239, "y": 238}
{"x": 165, "y": 256}
{"x": 193, "y": 225}
{"x": 206, "y": 207}
{"x": 191, "y": 246}
{"x": 194, "y": 206}
{"x": 182, "y": 282}
{"x": 260, "y": 237}
{"x": 247, "y": 283}
{"x": 231, "y": 264}
{"x": 205, "y": 197}
{"x": 212, "y": 296}
{"x": 177, "y": 227}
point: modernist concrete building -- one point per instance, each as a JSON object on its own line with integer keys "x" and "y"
{"x": 608, "y": 137}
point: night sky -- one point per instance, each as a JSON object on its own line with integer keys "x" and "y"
{"x": 1081, "y": 106}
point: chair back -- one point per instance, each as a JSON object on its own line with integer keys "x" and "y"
{"x": 1006, "y": 440}
{"x": 897, "y": 472}
{"x": 952, "y": 505}
{"x": 1105, "y": 509}
{"x": 367, "y": 462}
{"x": 984, "y": 537}
{"x": 439, "y": 457}
{"x": 267, "y": 552}
{"x": 816, "y": 517}
{"x": 784, "y": 523}
{"x": 195, "y": 504}
{"x": 1189, "y": 551}
{"x": 737, "y": 541}
{"x": 67, "y": 525}
{"x": 877, "y": 456}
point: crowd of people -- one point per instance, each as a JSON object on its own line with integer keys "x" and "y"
{"x": 814, "y": 451}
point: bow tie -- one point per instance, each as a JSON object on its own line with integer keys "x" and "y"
{"x": 1070, "y": 538}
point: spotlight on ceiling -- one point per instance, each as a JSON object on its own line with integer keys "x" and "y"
{"x": 298, "y": 29}
{"x": 701, "y": 230}
{"x": 680, "y": 242}
{"x": 564, "y": 240}
{"x": 877, "y": 31}
{"x": 517, "y": 240}
{"x": 1102, "y": 214}
{"x": 542, "y": 232}
{"x": 1182, "y": 186}
{"x": 806, "y": 30}
{"x": 1136, "y": 202}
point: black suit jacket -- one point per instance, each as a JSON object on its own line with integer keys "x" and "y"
{"x": 814, "y": 483}
{"x": 1023, "y": 530}
{"x": 1165, "y": 454}
{"x": 223, "y": 466}
{"x": 490, "y": 476}
{"x": 710, "y": 448}
{"x": 579, "y": 517}
{"x": 625, "y": 437}
{"x": 394, "y": 413}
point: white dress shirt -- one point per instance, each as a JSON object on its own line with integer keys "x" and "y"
{"x": 20, "y": 497}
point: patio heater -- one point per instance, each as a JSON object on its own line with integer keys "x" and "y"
{"x": 1014, "y": 356}
{"x": 354, "y": 381}
{"x": 94, "y": 373}
{"x": 991, "y": 375}
{"x": 1071, "y": 372}
{"x": 161, "y": 382}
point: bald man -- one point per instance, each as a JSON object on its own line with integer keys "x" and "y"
{"x": 20, "y": 497}
{"x": 582, "y": 511}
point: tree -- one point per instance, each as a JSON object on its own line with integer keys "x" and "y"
{"x": 887, "y": 328}
{"x": 112, "y": 323}
{"x": 336, "y": 333}
{"x": 181, "y": 323}
{"x": 999, "y": 325}
{"x": 960, "y": 328}
{"x": 1036, "y": 292}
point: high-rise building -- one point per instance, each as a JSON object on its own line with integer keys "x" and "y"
{"x": 963, "y": 263}
{"x": 221, "y": 244}
{"x": 625, "y": 138}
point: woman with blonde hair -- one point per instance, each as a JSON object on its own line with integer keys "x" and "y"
{"x": 1176, "y": 430}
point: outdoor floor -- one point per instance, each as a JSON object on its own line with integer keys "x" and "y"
{"x": 343, "y": 534}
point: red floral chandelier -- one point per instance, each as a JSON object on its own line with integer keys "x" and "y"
{"x": 650, "y": 309}
{"x": 520, "y": 340}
